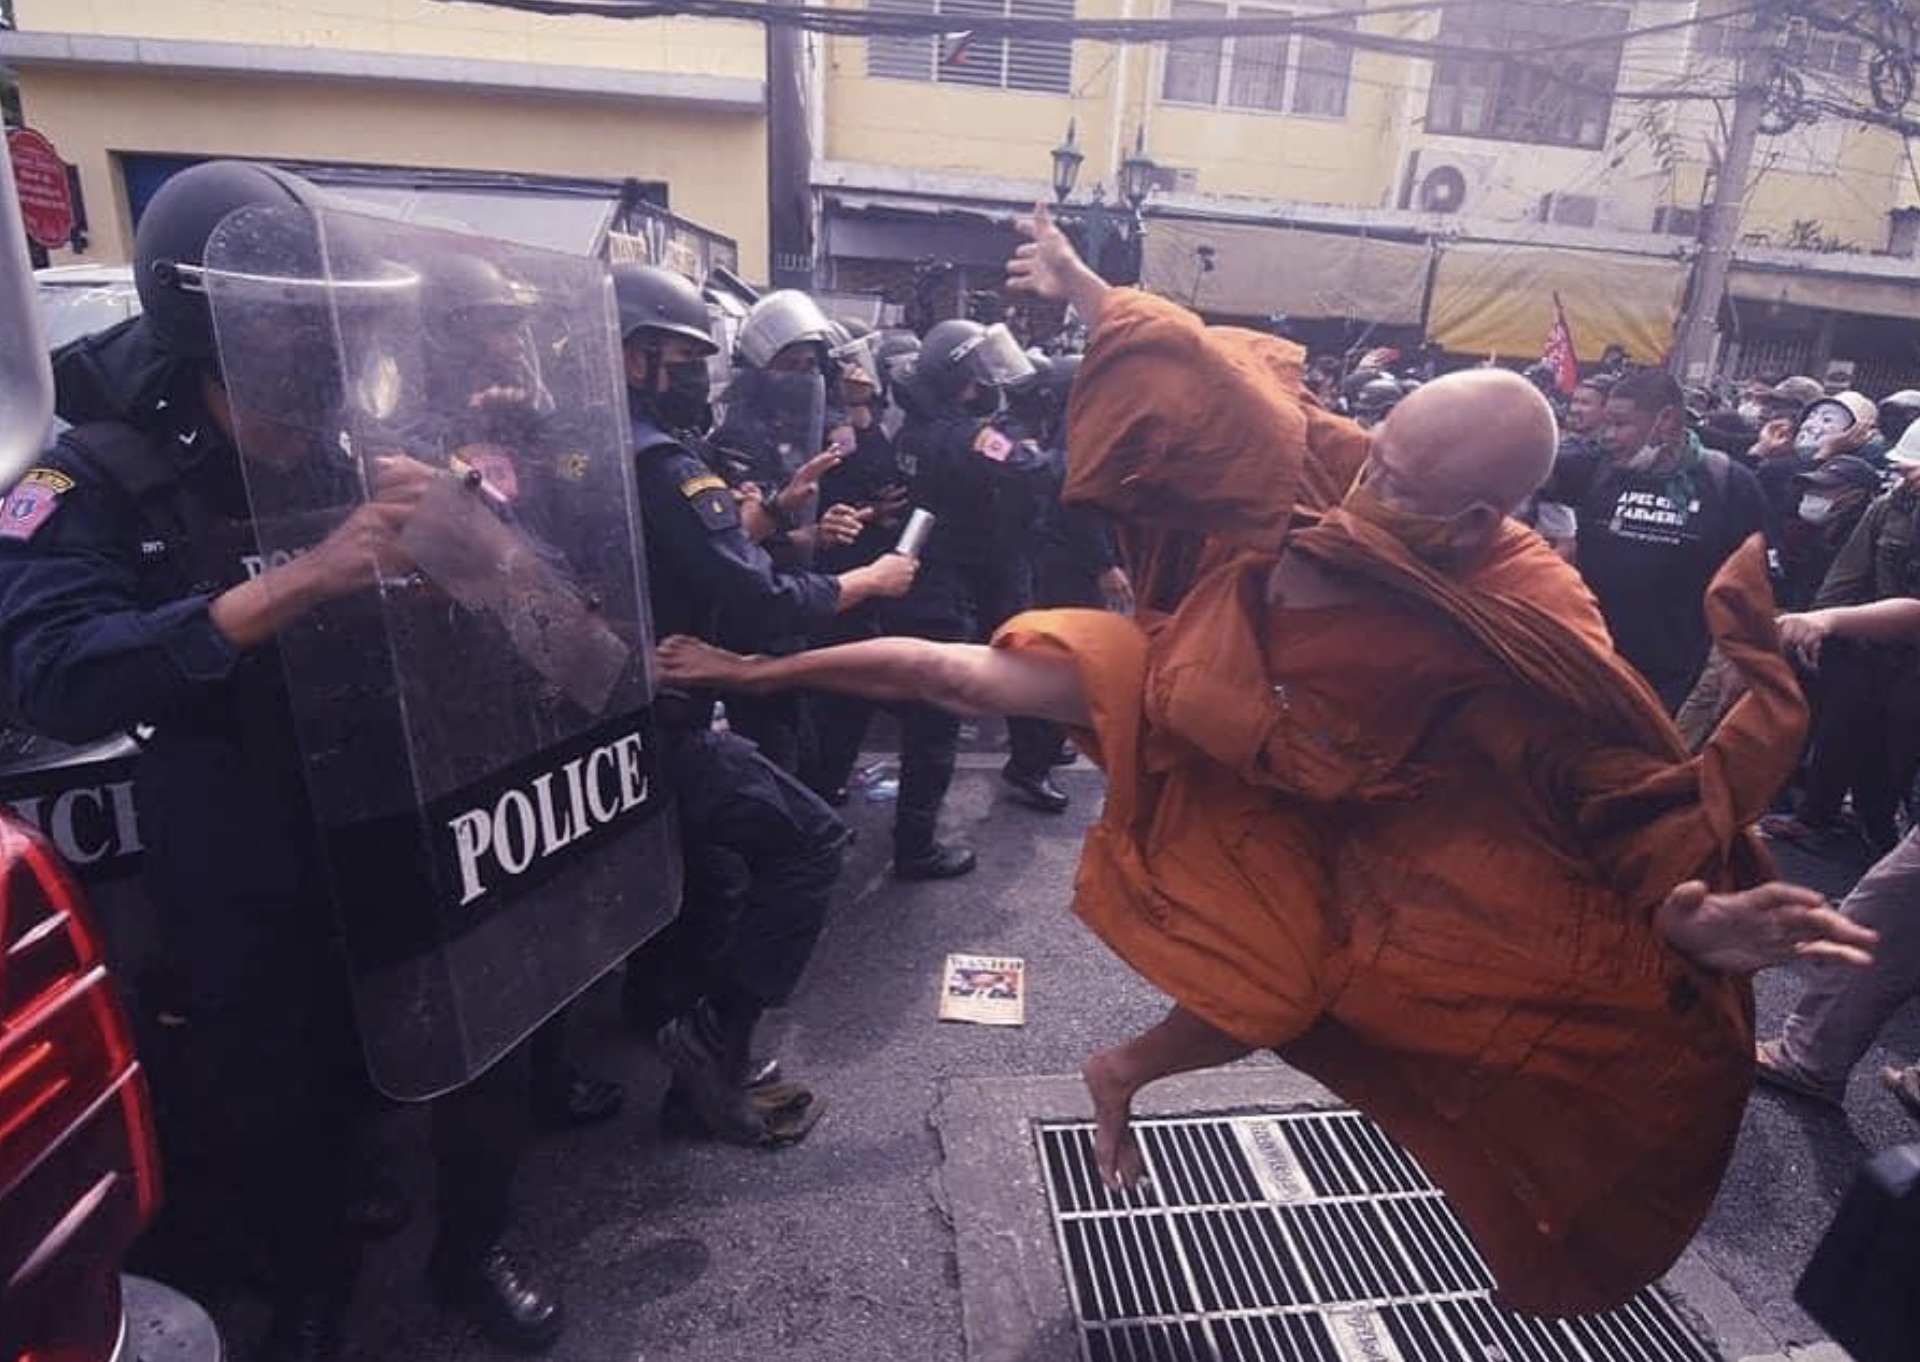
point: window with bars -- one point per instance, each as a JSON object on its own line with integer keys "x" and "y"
{"x": 1297, "y": 73}
{"x": 1038, "y": 65}
{"x": 1548, "y": 76}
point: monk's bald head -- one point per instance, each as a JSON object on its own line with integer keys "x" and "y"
{"x": 1480, "y": 437}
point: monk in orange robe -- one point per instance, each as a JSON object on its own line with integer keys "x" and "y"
{"x": 1381, "y": 797}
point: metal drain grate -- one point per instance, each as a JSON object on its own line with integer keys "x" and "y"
{"x": 1299, "y": 1237}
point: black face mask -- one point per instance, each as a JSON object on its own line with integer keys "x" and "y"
{"x": 684, "y": 405}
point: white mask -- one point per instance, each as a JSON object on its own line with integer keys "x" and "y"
{"x": 1645, "y": 457}
{"x": 1751, "y": 411}
{"x": 1815, "y": 510}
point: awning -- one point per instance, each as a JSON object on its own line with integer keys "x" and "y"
{"x": 1862, "y": 294}
{"x": 1261, "y": 269}
{"x": 1493, "y": 299}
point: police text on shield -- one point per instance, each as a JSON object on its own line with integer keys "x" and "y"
{"x": 528, "y": 823}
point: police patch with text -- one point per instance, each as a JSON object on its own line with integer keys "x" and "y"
{"x": 507, "y": 834}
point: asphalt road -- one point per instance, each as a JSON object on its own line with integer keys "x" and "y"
{"x": 840, "y": 1248}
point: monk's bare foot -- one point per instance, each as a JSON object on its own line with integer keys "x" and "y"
{"x": 1115, "y": 1150}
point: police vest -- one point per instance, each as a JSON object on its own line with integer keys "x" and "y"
{"x": 192, "y": 547}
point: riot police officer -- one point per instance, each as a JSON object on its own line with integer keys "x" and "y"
{"x": 1076, "y": 559}
{"x": 139, "y": 589}
{"x": 762, "y": 851}
{"x": 984, "y": 487}
{"x": 775, "y": 426}
{"x": 867, "y": 478}
{"x": 130, "y": 595}
{"x": 1077, "y": 556}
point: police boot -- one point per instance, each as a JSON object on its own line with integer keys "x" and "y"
{"x": 1035, "y": 790}
{"x": 707, "y": 1048}
{"x": 500, "y": 1298}
{"x": 937, "y": 861}
{"x": 787, "y": 1112}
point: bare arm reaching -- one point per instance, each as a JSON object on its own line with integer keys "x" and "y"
{"x": 966, "y": 678}
{"x": 1895, "y": 620}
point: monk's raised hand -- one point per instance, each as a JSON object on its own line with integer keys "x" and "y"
{"x": 1754, "y": 929}
{"x": 1045, "y": 264}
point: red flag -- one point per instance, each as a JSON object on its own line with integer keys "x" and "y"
{"x": 1559, "y": 355}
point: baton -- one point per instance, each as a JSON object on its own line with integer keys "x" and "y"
{"x": 914, "y": 537}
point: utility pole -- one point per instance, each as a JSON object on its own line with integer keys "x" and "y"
{"x": 789, "y": 155}
{"x": 1694, "y": 342}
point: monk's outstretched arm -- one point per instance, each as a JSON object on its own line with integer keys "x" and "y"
{"x": 968, "y": 679}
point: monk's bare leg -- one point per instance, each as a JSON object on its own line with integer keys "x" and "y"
{"x": 1179, "y": 1043}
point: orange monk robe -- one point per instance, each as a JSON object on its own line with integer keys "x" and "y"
{"x": 1415, "y": 843}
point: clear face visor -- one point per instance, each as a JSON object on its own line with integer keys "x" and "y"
{"x": 899, "y": 366}
{"x": 855, "y": 361}
{"x": 997, "y": 361}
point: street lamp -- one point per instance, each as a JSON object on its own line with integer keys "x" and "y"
{"x": 1066, "y": 165}
{"x": 1136, "y": 175}
{"x": 1100, "y": 226}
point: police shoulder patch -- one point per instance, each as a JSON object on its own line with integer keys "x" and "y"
{"x": 712, "y": 500}
{"x": 32, "y": 501}
{"x": 993, "y": 443}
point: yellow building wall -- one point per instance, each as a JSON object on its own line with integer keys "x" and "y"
{"x": 1348, "y": 161}
{"x": 1351, "y": 161}
{"x": 962, "y": 130}
{"x": 714, "y": 163}
{"x": 1856, "y": 185}
{"x": 419, "y": 28}
{"x": 954, "y": 129}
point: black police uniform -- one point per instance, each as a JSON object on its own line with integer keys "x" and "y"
{"x": 837, "y": 724}
{"x": 768, "y": 434}
{"x": 106, "y": 574}
{"x": 761, "y": 851}
{"x": 975, "y": 573}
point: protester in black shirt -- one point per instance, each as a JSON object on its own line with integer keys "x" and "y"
{"x": 1658, "y": 514}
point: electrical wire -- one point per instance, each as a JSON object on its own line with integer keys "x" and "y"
{"x": 865, "y": 22}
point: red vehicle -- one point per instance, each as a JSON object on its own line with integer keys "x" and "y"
{"x": 79, "y": 1164}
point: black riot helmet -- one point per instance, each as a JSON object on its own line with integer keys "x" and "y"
{"x": 477, "y": 331}
{"x": 1375, "y": 398}
{"x": 464, "y": 289}
{"x": 170, "y": 246}
{"x": 1042, "y": 401}
{"x": 664, "y": 302}
{"x": 655, "y": 304}
{"x": 956, "y": 352}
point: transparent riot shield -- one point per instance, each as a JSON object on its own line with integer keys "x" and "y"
{"x": 476, "y": 722}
